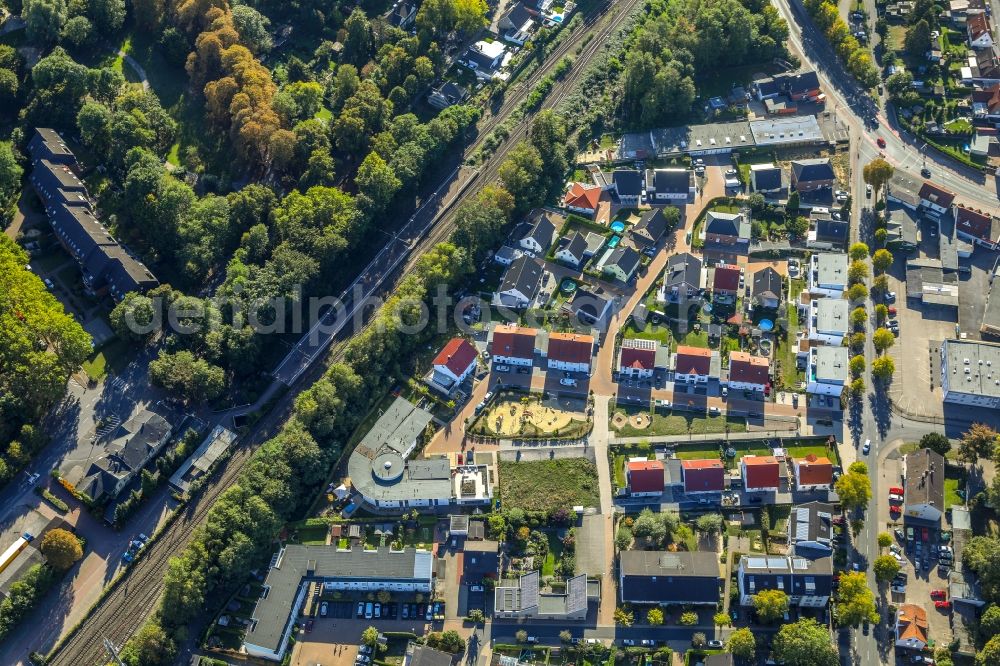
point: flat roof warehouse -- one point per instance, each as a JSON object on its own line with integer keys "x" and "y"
{"x": 721, "y": 137}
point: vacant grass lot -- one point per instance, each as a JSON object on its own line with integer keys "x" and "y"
{"x": 682, "y": 424}
{"x": 112, "y": 357}
{"x": 544, "y": 485}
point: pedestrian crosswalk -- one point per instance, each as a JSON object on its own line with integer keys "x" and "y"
{"x": 108, "y": 426}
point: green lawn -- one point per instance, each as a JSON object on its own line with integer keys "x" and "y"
{"x": 697, "y": 451}
{"x": 112, "y": 357}
{"x": 950, "y": 495}
{"x": 694, "y": 339}
{"x": 544, "y": 485}
{"x": 659, "y": 333}
{"x": 683, "y": 424}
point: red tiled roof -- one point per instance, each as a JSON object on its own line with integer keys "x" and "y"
{"x": 708, "y": 463}
{"x": 977, "y": 24}
{"x": 581, "y": 196}
{"x": 814, "y": 471}
{"x": 456, "y": 355}
{"x": 706, "y": 475}
{"x": 746, "y": 368}
{"x": 641, "y": 359}
{"x": 645, "y": 476}
{"x": 727, "y": 278}
{"x": 936, "y": 195}
{"x": 693, "y": 361}
{"x": 514, "y": 342}
{"x": 571, "y": 347}
{"x": 974, "y": 223}
{"x": 761, "y": 472}
{"x": 911, "y": 623}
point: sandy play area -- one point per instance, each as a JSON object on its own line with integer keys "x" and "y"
{"x": 510, "y": 418}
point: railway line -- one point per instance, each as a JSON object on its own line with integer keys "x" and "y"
{"x": 132, "y": 598}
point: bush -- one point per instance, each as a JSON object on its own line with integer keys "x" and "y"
{"x": 24, "y": 595}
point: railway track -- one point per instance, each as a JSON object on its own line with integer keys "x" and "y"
{"x": 127, "y": 605}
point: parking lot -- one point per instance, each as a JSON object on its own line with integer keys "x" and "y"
{"x": 334, "y": 641}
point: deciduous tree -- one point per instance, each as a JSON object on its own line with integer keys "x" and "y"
{"x": 805, "y": 643}
{"x": 885, "y": 567}
{"x": 61, "y": 549}
{"x": 770, "y": 605}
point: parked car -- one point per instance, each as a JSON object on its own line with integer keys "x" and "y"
{"x": 406, "y": 611}
{"x": 925, "y": 172}
{"x": 866, "y": 449}
{"x": 378, "y": 611}
{"x": 361, "y": 609}
{"x": 323, "y": 608}
{"x": 628, "y": 641}
{"x": 567, "y": 382}
{"x": 938, "y": 594}
{"x": 369, "y": 610}
{"x": 715, "y": 644}
{"x": 942, "y": 604}
{"x": 502, "y": 368}
{"x": 881, "y": 142}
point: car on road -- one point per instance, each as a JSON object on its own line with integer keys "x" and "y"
{"x": 48, "y": 284}
{"x": 942, "y": 604}
{"x": 866, "y": 449}
{"x": 939, "y": 594}
{"x": 894, "y": 548}
{"x": 32, "y": 478}
{"x": 899, "y": 534}
{"x": 715, "y": 644}
{"x": 897, "y": 588}
{"x": 925, "y": 172}
{"x": 880, "y": 142}
{"x": 565, "y": 381}
{"x": 323, "y": 608}
{"x": 628, "y": 641}
{"x": 895, "y": 499}
{"x": 868, "y": 191}
{"x": 725, "y": 391}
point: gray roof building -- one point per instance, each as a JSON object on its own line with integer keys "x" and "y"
{"x": 628, "y": 182}
{"x": 833, "y": 232}
{"x": 521, "y": 597}
{"x": 767, "y": 284}
{"x": 924, "y": 489}
{"x": 524, "y": 276}
{"x": 651, "y": 227}
{"x": 683, "y": 269}
{"x": 810, "y": 529}
{"x": 661, "y": 577}
{"x": 831, "y": 364}
{"x": 296, "y": 565}
{"x": 671, "y": 181}
{"x": 421, "y": 655}
{"x": 818, "y": 169}
{"x": 765, "y": 178}
{"x": 542, "y": 232}
{"x": 625, "y": 259}
{"x": 49, "y": 145}
{"x": 727, "y": 224}
{"x": 790, "y": 131}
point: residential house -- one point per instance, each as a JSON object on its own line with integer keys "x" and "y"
{"x": 48, "y": 144}
{"x": 813, "y": 174}
{"x": 581, "y": 198}
{"x": 639, "y": 359}
{"x": 760, "y": 473}
{"x": 627, "y": 184}
{"x": 683, "y": 278}
{"x": 421, "y": 655}
{"x": 485, "y": 58}
{"x": 447, "y": 94}
{"x": 402, "y": 14}
{"x": 540, "y": 236}
{"x": 810, "y": 529}
{"x": 134, "y": 445}
{"x": 621, "y": 263}
{"x": 828, "y": 274}
{"x": 813, "y": 473}
{"x": 924, "y": 488}
{"x": 454, "y": 363}
{"x": 665, "y": 578}
{"x": 767, "y": 288}
{"x": 748, "y": 373}
{"x": 517, "y": 23}
{"x": 827, "y": 370}
{"x": 572, "y": 249}
{"x": 644, "y": 477}
{"x": 798, "y": 86}
{"x": 829, "y": 320}
{"x": 589, "y": 308}
{"x": 703, "y": 476}
{"x": 727, "y": 228}
{"x": 977, "y": 28}
{"x": 976, "y": 227}
{"x": 808, "y": 583}
{"x": 766, "y": 179}
{"x": 521, "y": 284}
{"x": 570, "y": 351}
{"x": 522, "y": 598}
{"x": 694, "y": 365}
{"x": 911, "y": 627}
{"x": 670, "y": 185}
{"x": 650, "y": 229}
{"x": 725, "y": 283}
{"x": 480, "y": 561}
{"x": 513, "y": 345}
{"x": 828, "y": 234}
{"x": 982, "y": 69}
{"x": 506, "y": 255}
{"x": 296, "y": 567}
{"x": 935, "y": 200}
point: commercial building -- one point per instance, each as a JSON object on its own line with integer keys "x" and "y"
{"x": 970, "y": 373}
{"x": 295, "y": 566}
{"x": 807, "y": 582}
{"x": 664, "y": 578}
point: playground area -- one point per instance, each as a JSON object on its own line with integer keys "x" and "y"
{"x": 530, "y": 416}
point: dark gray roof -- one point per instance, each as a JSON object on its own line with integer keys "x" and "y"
{"x": 628, "y": 182}
{"x": 683, "y": 268}
{"x": 767, "y": 179}
{"x": 588, "y": 306}
{"x": 720, "y": 659}
{"x": 831, "y": 231}
{"x": 625, "y": 258}
{"x": 421, "y": 655}
{"x": 452, "y": 92}
{"x": 767, "y": 283}
{"x": 651, "y": 226}
{"x": 800, "y": 82}
{"x": 925, "y": 478}
{"x": 518, "y": 15}
{"x": 297, "y": 564}
{"x": 524, "y": 274}
{"x": 543, "y": 230}
{"x": 400, "y": 13}
{"x": 811, "y": 170}
{"x": 692, "y": 577}
{"x": 48, "y": 144}
{"x": 575, "y": 244}
{"x": 480, "y": 559}
{"x": 140, "y": 434}
{"x": 795, "y": 575}
{"x": 675, "y": 181}
{"x": 810, "y": 523}
{"x": 724, "y": 224}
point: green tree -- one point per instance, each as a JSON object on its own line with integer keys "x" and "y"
{"x": 881, "y": 313}
{"x": 649, "y": 525}
{"x": 855, "y": 600}
{"x": 857, "y": 292}
{"x": 688, "y": 619}
{"x": 370, "y": 637}
{"x": 936, "y": 442}
{"x": 721, "y": 619}
{"x": 106, "y": 15}
{"x": 565, "y": 636}
{"x": 885, "y": 567}
{"x": 151, "y": 646}
{"x": 979, "y": 441}
{"x": 770, "y": 605}
{"x": 10, "y": 173}
{"x": 855, "y": 490}
{"x": 624, "y": 617}
{"x": 858, "y": 387}
{"x": 858, "y": 317}
{"x": 654, "y": 616}
{"x": 61, "y": 549}
{"x": 186, "y": 376}
{"x": 881, "y": 260}
{"x": 990, "y": 654}
{"x": 884, "y": 540}
{"x": 857, "y": 272}
{"x": 699, "y": 640}
{"x": 858, "y": 365}
{"x": 858, "y": 467}
{"x": 521, "y": 636}
{"x": 44, "y": 19}
{"x": 858, "y": 252}
{"x": 918, "y": 38}
{"x": 709, "y": 523}
{"x": 883, "y": 368}
{"x": 623, "y": 537}
{"x": 742, "y": 644}
{"x": 254, "y": 28}
{"x": 78, "y": 31}
{"x": 877, "y": 174}
{"x": 805, "y": 643}
{"x": 377, "y": 184}
{"x": 989, "y": 622}
{"x": 883, "y": 338}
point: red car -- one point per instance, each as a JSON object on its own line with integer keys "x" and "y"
{"x": 881, "y": 142}
{"x": 892, "y": 313}
{"x": 942, "y": 604}
{"x": 895, "y": 510}
{"x": 938, "y": 594}
{"x": 924, "y": 534}
{"x": 895, "y": 490}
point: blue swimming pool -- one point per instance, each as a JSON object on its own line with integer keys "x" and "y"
{"x": 617, "y": 226}
{"x": 614, "y": 240}
{"x": 557, "y": 18}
